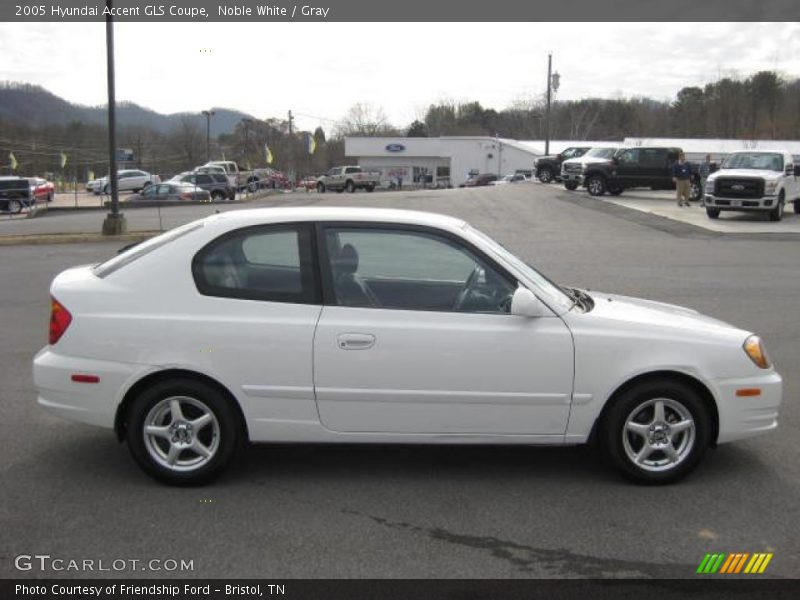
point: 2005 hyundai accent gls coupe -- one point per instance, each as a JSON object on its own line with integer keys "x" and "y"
{"x": 367, "y": 325}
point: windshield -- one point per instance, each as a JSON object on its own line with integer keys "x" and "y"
{"x": 601, "y": 152}
{"x": 766, "y": 161}
{"x": 551, "y": 294}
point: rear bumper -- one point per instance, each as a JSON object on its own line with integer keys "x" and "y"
{"x": 92, "y": 403}
{"x": 745, "y": 416}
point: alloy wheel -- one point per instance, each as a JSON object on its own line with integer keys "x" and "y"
{"x": 181, "y": 433}
{"x": 658, "y": 434}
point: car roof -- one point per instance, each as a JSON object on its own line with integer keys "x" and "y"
{"x": 257, "y": 216}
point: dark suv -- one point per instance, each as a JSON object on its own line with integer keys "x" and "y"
{"x": 216, "y": 184}
{"x": 548, "y": 168}
{"x": 15, "y": 194}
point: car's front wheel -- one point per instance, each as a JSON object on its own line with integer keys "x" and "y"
{"x": 182, "y": 431}
{"x": 571, "y": 185}
{"x": 544, "y": 174}
{"x": 713, "y": 213}
{"x": 596, "y": 185}
{"x": 656, "y": 432}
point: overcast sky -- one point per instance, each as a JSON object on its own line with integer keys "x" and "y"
{"x": 321, "y": 69}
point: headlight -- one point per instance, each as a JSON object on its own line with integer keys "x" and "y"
{"x": 769, "y": 187}
{"x": 754, "y": 348}
{"x": 709, "y": 187}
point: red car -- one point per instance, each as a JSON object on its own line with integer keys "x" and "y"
{"x": 41, "y": 189}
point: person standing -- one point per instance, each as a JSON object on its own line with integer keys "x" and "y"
{"x": 704, "y": 171}
{"x": 681, "y": 175}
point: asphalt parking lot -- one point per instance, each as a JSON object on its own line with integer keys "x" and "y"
{"x": 72, "y": 491}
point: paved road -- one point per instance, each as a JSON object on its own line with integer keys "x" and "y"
{"x": 71, "y": 491}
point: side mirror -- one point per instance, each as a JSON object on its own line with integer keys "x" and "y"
{"x": 797, "y": 170}
{"x": 525, "y": 304}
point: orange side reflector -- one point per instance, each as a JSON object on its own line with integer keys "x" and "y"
{"x": 749, "y": 392}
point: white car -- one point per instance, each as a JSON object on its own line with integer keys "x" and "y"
{"x": 324, "y": 324}
{"x": 754, "y": 181}
{"x": 128, "y": 180}
{"x": 510, "y": 178}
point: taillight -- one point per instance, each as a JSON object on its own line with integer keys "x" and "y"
{"x": 60, "y": 318}
{"x": 186, "y": 196}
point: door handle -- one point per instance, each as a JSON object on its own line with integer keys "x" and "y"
{"x": 355, "y": 341}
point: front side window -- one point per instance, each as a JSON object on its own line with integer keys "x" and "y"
{"x": 412, "y": 270}
{"x": 628, "y": 156}
{"x": 270, "y": 263}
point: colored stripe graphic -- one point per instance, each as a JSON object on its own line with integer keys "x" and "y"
{"x": 734, "y": 563}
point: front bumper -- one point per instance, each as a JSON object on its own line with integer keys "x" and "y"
{"x": 745, "y": 416}
{"x": 722, "y": 203}
{"x": 576, "y": 177}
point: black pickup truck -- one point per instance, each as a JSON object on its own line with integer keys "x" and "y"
{"x": 15, "y": 194}
{"x": 649, "y": 167}
{"x": 548, "y": 168}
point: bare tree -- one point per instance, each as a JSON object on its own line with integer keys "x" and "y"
{"x": 365, "y": 120}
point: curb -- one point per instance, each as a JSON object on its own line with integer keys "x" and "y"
{"x": 74, "y": 238}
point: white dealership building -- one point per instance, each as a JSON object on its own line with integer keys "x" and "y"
{"x": 447, "y": 160}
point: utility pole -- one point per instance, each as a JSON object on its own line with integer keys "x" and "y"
{"x": 245, "y": 123}
{"x": 291, "y": 152}
{"x": 114, "y": 223}
{"x": 547, "y": 113}
{"x": 208, "y": 114}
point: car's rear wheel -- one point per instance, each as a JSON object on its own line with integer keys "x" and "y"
{"x": 218, "y": 196}
{"x": 182, "y": 432}
{"x": 596, "y": 185}
{"x": 656, "y": 432}
{"x": 351, "y": 187}
{"x": 713, "y": 213}
{"x": 544, "y": 174}
{"x": 14, "y": 206}
{"x": 370, "y": 188}
{"x": 571, "y": 185}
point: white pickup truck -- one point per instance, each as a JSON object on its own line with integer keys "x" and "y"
{"x": 754, "y": 180}
{"x": 348, "y": 178}
{"x": 240, "y": 178}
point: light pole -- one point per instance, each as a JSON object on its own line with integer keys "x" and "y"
{"x": 208, "y": 114}
{"x": 114, "y": 223}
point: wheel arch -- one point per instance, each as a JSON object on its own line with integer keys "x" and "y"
{"x": 697, "y": 385}
{"x": 120, "y": 418}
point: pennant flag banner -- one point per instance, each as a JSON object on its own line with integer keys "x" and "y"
{"x": 13, "y": 161}
{"x": 311, "y": 143}
{"x": 63, "y": 160}
{"x": 90, "y": 175}
{"x": 268, "y": 154}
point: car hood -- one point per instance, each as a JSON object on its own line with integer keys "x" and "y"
{"x": 636, "y": 311}
{"x": 747, "y": 173}
{"x": 589, "y": 160}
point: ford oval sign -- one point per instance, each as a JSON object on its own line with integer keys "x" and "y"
{"x": 395, "y": 147}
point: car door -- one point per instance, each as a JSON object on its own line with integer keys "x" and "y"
{"x": 260, "y": 301}
{"x": 628, "y": 167}
{"x": 416, "y": 337}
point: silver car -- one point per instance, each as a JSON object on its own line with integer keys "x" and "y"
{"x": 128, "y": 180}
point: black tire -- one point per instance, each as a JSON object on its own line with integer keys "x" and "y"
{"x": 106, "y": 189}
{"x": 545, "y": 174}
{"x": 350, "y": 187}
{"x": 615, "y": 191}
{"x": 797, "y": 207}
{"x": 370, "y": 188}
{"x": 713, "y": 213}
{"x": 571, "y": 185}
{"x": 228, "y": 427}
{"x": 49, "y": 196}
{"x": 321, "y": 188}
{"x": 636, "y": 407}
{"x": 776, "y": 214}
{"x": 695, "y": 193}
{"x": 252, "y": 186}
{"x": 596, "y": 185}
{"x": 218, "y": 196}
{"x": 14, "y": 206}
